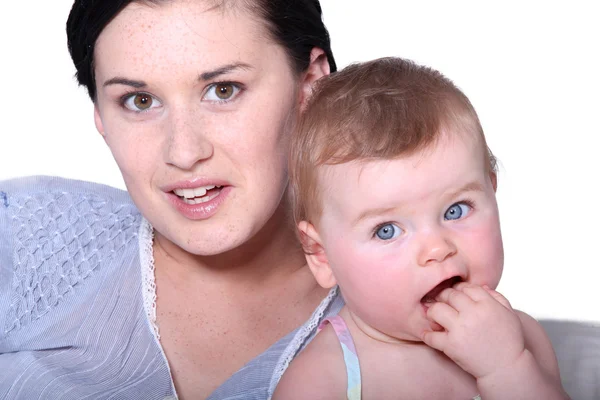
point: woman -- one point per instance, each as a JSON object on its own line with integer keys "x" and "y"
{"x": 195, "y": 273}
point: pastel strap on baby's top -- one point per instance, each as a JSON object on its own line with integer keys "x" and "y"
{"x": 350, "y": 356}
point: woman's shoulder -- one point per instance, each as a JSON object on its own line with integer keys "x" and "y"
{"x": 41, "y": 216}
{"x": 33, "y": 206}
{"x": 56, "y": 235}
{"x": 53, "y": 186}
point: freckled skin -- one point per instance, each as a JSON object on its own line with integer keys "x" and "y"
{"x": 168, "y": 48}
{"x": 229, "y": 286}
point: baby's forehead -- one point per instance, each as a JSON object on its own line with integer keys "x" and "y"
{"x": 439, "y": 167}
{"x": 446, "y": 138}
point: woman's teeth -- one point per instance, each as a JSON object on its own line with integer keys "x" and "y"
{"x": 196, "y": 195}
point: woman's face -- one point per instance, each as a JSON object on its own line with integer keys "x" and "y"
{"x": 196, "y": 107}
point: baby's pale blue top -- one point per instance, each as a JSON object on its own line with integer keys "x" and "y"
{"x": 77, "y": 301}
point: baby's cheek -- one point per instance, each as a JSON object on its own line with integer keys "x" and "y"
{"x": 376, "y": 287}
{"x": 486, "y": 254}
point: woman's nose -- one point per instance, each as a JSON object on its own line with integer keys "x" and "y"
{"x": 188, "y": 142}
{"x": 435, "y": 246}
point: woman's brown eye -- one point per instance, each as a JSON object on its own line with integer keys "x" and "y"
{"x": 142, "y": 101}
{"x": 221, "y": 92}
{"x": 224, "y": 91}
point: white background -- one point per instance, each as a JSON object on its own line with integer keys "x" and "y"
{"x": 530, "y": 68}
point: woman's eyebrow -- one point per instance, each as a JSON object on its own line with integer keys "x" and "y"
{"x": 209, "y": 75}
{"x": 124, "y": 81}
{"x": 205, "y": 76}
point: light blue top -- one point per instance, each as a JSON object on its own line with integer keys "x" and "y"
{"x": 77, "y": 316}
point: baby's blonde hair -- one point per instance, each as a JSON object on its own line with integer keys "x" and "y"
{"x": 381, "y": 109}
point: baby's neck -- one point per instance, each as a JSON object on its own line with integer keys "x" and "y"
{"x": 358, "y": 327}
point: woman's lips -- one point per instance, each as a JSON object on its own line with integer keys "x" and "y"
{"x": 193, "y": 184}
{"x": 200, "y": 207}
{"x": 198, "y": 195}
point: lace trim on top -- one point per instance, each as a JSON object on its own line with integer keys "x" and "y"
{"x": 146, "y": 242}
{"x": 146, "y": 237}
{"x": 300, "y": 338}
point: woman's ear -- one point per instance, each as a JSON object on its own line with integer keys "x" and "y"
{"x": 98, "y": 121}
{"x": 318, "y": 68}
{"x": 315, "y": 255}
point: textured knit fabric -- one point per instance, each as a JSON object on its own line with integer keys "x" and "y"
{"x": 340, "y": 328}
{"x": 73, "y": 323}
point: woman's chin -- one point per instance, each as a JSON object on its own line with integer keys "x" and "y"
{"x": 202, "y": 244}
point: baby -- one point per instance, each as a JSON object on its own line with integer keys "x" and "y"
{"x": 393, "y": 189}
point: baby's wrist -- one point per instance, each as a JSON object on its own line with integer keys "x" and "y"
{"x": 522, "y": 378}
{"x": 509, "y": 368}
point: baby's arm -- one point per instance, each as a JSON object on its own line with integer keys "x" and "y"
{"x": 317, "y": 373}
{"x": 506, "y": 351}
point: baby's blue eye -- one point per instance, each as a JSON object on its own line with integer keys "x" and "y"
{"x": 387, "y": 232}
{"x": 457, "y": 211}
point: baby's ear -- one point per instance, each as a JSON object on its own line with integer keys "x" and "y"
{"x": 494, "y": 178}
{"x": 315, "y": 255}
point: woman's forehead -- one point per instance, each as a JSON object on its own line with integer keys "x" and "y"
{"x": 152, "y": 18}
{"x": 177, "y": 35}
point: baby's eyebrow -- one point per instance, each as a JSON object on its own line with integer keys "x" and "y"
{"x": 473, "y": 186}
{"x": 469, "y": 187}
{"x": 372, "y": 212}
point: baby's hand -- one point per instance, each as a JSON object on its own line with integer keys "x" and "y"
{"x": 482, "y": 332}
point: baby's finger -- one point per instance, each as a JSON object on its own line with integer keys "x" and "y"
{"x": 462, "y": 285}
{"x": 436, "y": 340}
{"x": 499, "y": 298}
{"x": 455, "y": 298}
{"x": 475, "y": 292}
{"x": 443, "y": 314}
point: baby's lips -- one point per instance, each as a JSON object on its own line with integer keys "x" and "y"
{"x": 428, "y": 303}
{"x": 436, "y": 327}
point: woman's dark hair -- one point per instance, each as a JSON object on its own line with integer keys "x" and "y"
{"x": 297, "y": 25}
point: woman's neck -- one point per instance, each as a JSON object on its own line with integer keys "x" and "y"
{"x": 273, "y": 253}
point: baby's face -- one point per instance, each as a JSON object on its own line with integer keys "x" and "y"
{"x": 396, "y": 232}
